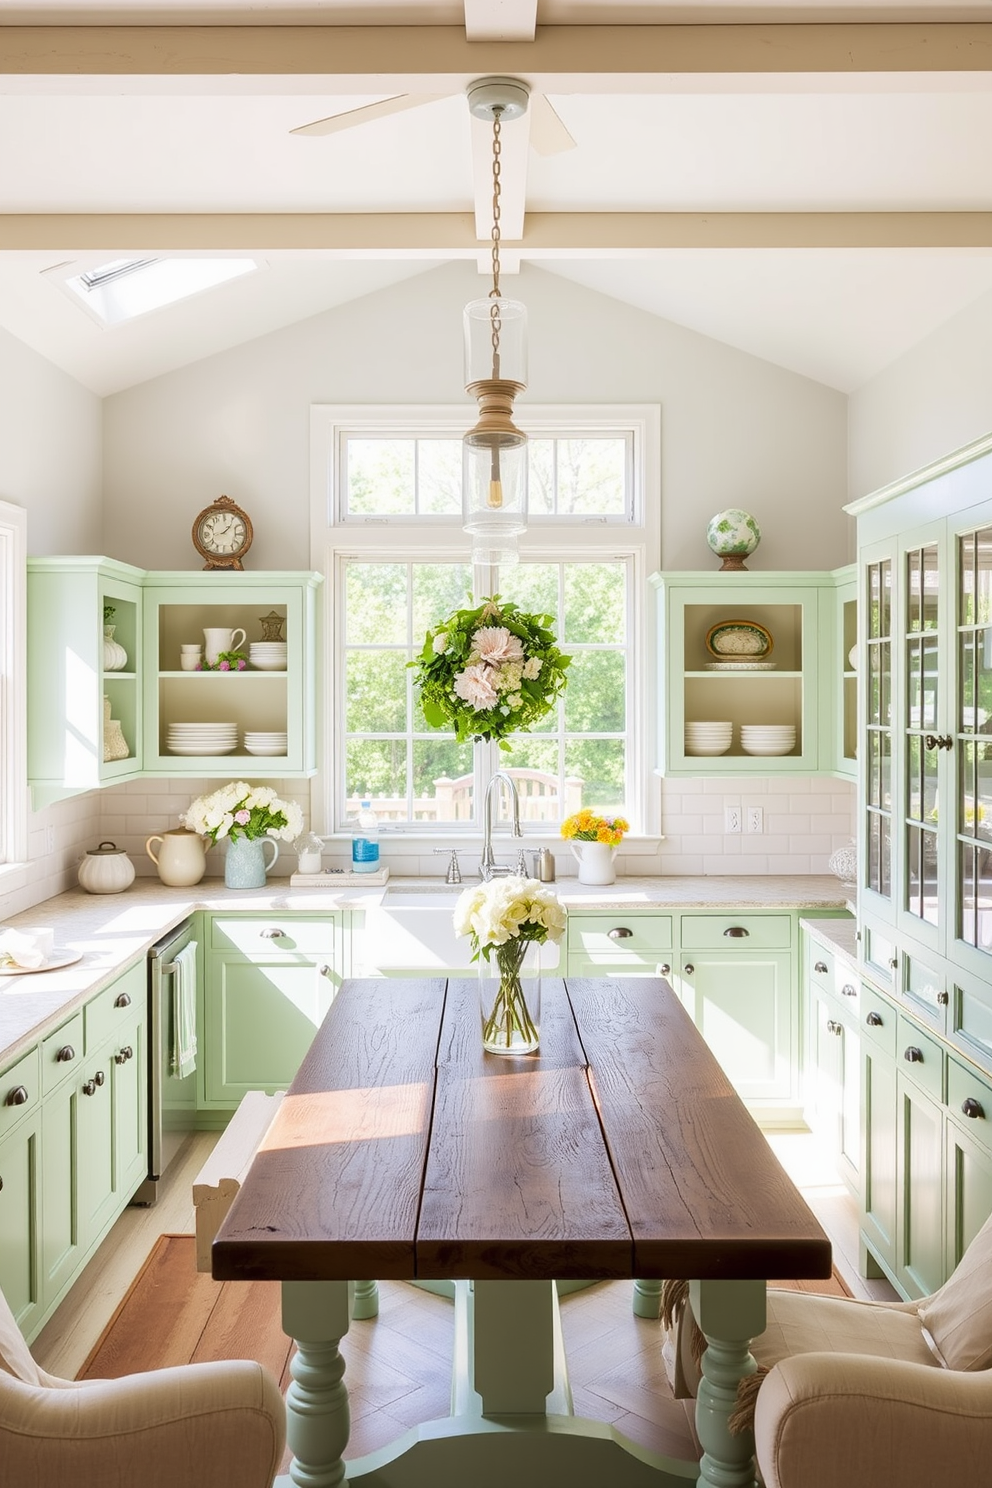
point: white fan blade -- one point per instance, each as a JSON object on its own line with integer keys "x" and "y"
{"x": 548, "y": 134}
{"x": 368, "y": 111}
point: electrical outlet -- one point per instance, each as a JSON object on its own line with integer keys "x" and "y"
{"x": 755, "y": 819}
{"x": 731, "y": 818}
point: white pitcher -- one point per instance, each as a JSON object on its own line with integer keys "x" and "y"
{"x": 181, "y": 859}
{"x": 595, "y": 861}
{"x": 216, "y": 639}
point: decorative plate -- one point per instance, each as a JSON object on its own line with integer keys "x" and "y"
{"x": 740, "y": 666}
{"x": 739, "y": 640}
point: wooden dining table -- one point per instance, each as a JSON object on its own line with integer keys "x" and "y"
{"x": 618, "y": 1150}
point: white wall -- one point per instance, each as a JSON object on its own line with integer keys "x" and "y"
{"x": 935, "y": 399}
{"x": 50, "y": 464}
{"x": 736, "y": 431}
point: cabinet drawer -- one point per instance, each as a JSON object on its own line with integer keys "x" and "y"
{"x": 618, "y": 963}
{"x": 969, "y": 1098}
{"x": 20, "y": 1090}
{"x": 920, "y": 1057}
{"x": 878, "y": 1020}
{"x": 272, "y": 935}
{"x": 716, "y": 932}
{"x": 114, "y": 1006}
{"x": 608, "y": 935}
{"x": 61, "y": 1052}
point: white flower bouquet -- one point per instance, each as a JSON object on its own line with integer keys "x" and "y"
{"x": 503, "y": 917}
{"x": 243, "y": 810}
{"x": 490, "y": 671}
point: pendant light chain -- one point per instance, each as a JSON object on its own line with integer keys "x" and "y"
{"x": 494, "y": 294}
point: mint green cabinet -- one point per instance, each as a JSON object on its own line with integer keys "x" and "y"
{"x": 832, "y": 1066}
{"x": 20, "y": 1218}
{"x": 968, "y": 1158}
{"x": 178, "y": 607}
{"x": 920, "y": 1166}
{"x": 73, "y": 1145}
{"x": 879, "y": 1186}
{"x": 617, "y": 943}
{"x": 71, "y": 673}
{"x": 742, "y": 1002}
{"x": 797, "y": 681}
{"x": 268, "y": 983}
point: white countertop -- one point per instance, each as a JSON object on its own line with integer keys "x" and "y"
{"x": 113, "y": 930}
{"x": 839, "y": 935}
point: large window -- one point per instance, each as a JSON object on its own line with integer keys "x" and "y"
{"x": 387, "y": 510}
{"x": 13, "y": 769}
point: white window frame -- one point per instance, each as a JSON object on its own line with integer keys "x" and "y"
{"x": 13, "y": 698}
{"x": 405, "y": 538}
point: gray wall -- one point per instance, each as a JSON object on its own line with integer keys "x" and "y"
{"x": 736, "y": 431}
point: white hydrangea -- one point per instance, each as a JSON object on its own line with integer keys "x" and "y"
{"x": 232, "y": 807}
{"x": 495, "y": 912}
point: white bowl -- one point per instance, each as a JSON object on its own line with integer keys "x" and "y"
{"x": 707, "y": 748}
{"x": 785, "y": 747}
{"x": 266, "y": 749}
{"x": 268, "y": 663}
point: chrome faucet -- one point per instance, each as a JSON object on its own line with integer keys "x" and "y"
{"x": 488, "y": 866}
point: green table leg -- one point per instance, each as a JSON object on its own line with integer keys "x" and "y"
{"x": 315, "y": 1314}
{"x": 730, "y": 1314}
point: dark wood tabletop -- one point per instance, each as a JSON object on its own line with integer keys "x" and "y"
{"x": 620, "y": 1149}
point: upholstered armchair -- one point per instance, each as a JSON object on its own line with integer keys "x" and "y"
{"x": 195, "y": 1426}
{"x": 882, "y": 1395}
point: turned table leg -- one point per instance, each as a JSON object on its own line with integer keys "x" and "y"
{"x": 315, "y": 1314}
{"x": 729, "y": 1314}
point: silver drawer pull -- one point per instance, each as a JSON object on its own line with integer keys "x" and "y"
{"x": 973, "y": 1108}
{"x": 271, "y": 934}
{"x": 873, "y": 1019}
{"x": 664, "y": 968}
{"x": 65, "y": 1055}
{"x": 17, "y": 1097}
{"x": 849, "y": 990}
{"x": 913, "y": 1055}
{"x": 122, "y": 1000}
{"x": 821, "y": 968}
{"x": 619, "y": 932}
{"x": 326, "y": 971}
{"x": 835, "y": 1028}
{"x": 688, "y": 968}
{"x": 736, "y": 932}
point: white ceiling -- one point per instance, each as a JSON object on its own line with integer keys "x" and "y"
{"x": 758, "y": 186}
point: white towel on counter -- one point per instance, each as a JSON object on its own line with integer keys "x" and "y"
{"x": 182, "y": 1056}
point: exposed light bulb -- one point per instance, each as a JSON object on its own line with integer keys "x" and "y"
{"x": 495, "y": 499}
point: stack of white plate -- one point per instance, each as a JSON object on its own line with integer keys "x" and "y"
{"x": 259, "y": 742}
{"x": 268, "y": 656}
{"x": 202, "y": 738}
{"x": 708, "y": 738}
{"x": 768, "y": 738}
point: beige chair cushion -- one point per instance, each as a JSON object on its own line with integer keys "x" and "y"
{"x": 958, "y": 1316}
{"x": 15, "y": 1356}
{"x": 802, "y": 1323}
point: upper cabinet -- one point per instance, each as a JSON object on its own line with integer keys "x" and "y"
{"x": 752, "y": 673}
{"x": 260, "y": 720}
{"x": 84, "y": 645}
{"x": 926, "y": 794}
{"x": 109, "y": 698}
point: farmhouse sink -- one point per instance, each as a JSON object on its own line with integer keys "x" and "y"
{"x": 410, "y": 933}
{"x": 423, "y": 896}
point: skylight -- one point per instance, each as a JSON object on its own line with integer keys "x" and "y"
{"x": 124, "y": 288}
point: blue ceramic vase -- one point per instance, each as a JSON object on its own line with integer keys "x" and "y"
{"x": 244, "y": 861}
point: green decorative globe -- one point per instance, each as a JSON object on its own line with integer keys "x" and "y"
{"x": 732, "y": 535}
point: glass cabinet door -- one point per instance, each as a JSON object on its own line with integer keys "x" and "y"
{"x": 974, "y": 739}
{"x": 877, "y": 873}
{"x": 922, "y": 742}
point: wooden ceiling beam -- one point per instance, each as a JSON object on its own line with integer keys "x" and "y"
{"x": 441, "y": 59}
{"x": 547, "y": 235}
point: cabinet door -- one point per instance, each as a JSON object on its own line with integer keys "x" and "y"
{"x": 969, "y": 1191}
{"x": 20, "y": 1272}
{"x": 825, "y": 1069}
{"x": 61, "y": 1247}
{"x": 259, "y": 1022}
{"x": 879, "y": 1157}
{"x": 920, "y": 1158}
{"x": 741, "y": 1002}
{"x": 129, "y": 1098}
{"x": 95, "y": 1193}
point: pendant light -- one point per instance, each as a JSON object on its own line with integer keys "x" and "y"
{"x": 494, "y": 459}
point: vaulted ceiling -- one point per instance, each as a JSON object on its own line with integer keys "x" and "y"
{"x": 811, "y": 183}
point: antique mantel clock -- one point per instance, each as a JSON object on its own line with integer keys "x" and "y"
{"x": 222, "y": 534}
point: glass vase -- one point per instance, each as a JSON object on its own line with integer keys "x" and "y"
{"x": 510, "y": 993}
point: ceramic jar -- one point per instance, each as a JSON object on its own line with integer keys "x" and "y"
{"x": 181, "y": 858}
{"x": 106, "y": 869}
{"x": 114, "y": 655}
{"x": 595, "y": 860}
{"x": 244, "y": 861}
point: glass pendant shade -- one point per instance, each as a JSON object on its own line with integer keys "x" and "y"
{"x": 494, "y": 493}
{"x": 499, "y": 321}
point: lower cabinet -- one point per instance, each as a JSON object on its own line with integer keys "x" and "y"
{"x": 77, "y": 1147}
{"x": 879, "y": 1187}
{"x": 268, "y": 983}
{"x": 832, "y": 1064}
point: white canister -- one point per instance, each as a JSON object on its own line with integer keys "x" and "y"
{"x": 106, "y": 869}
{"x": 181, "y": 858}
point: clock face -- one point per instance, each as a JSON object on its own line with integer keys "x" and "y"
{"x": 222, "y": 533}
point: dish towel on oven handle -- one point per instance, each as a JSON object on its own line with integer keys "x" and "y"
{"x": 182, "y": 1055}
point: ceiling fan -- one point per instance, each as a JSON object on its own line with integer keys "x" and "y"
{"x": 548, "y": 134}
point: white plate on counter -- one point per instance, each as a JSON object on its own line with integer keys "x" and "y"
{"x": 59, "y": 957}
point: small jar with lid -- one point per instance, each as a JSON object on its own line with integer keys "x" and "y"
{"x": 106, "y": 869}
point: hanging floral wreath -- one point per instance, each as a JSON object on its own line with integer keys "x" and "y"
{"x": 490, "y": 671}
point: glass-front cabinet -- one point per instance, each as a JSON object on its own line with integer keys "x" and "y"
{"x": 925, "y": 896}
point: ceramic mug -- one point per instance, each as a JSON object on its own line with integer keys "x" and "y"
{"x": 217, "y": 639}
{"x": 190, "y": 660}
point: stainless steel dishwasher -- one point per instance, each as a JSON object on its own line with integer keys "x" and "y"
{"x": 171, "y": 1101}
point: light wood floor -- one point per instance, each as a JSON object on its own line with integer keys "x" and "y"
{"x": 399, "y": 1365}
